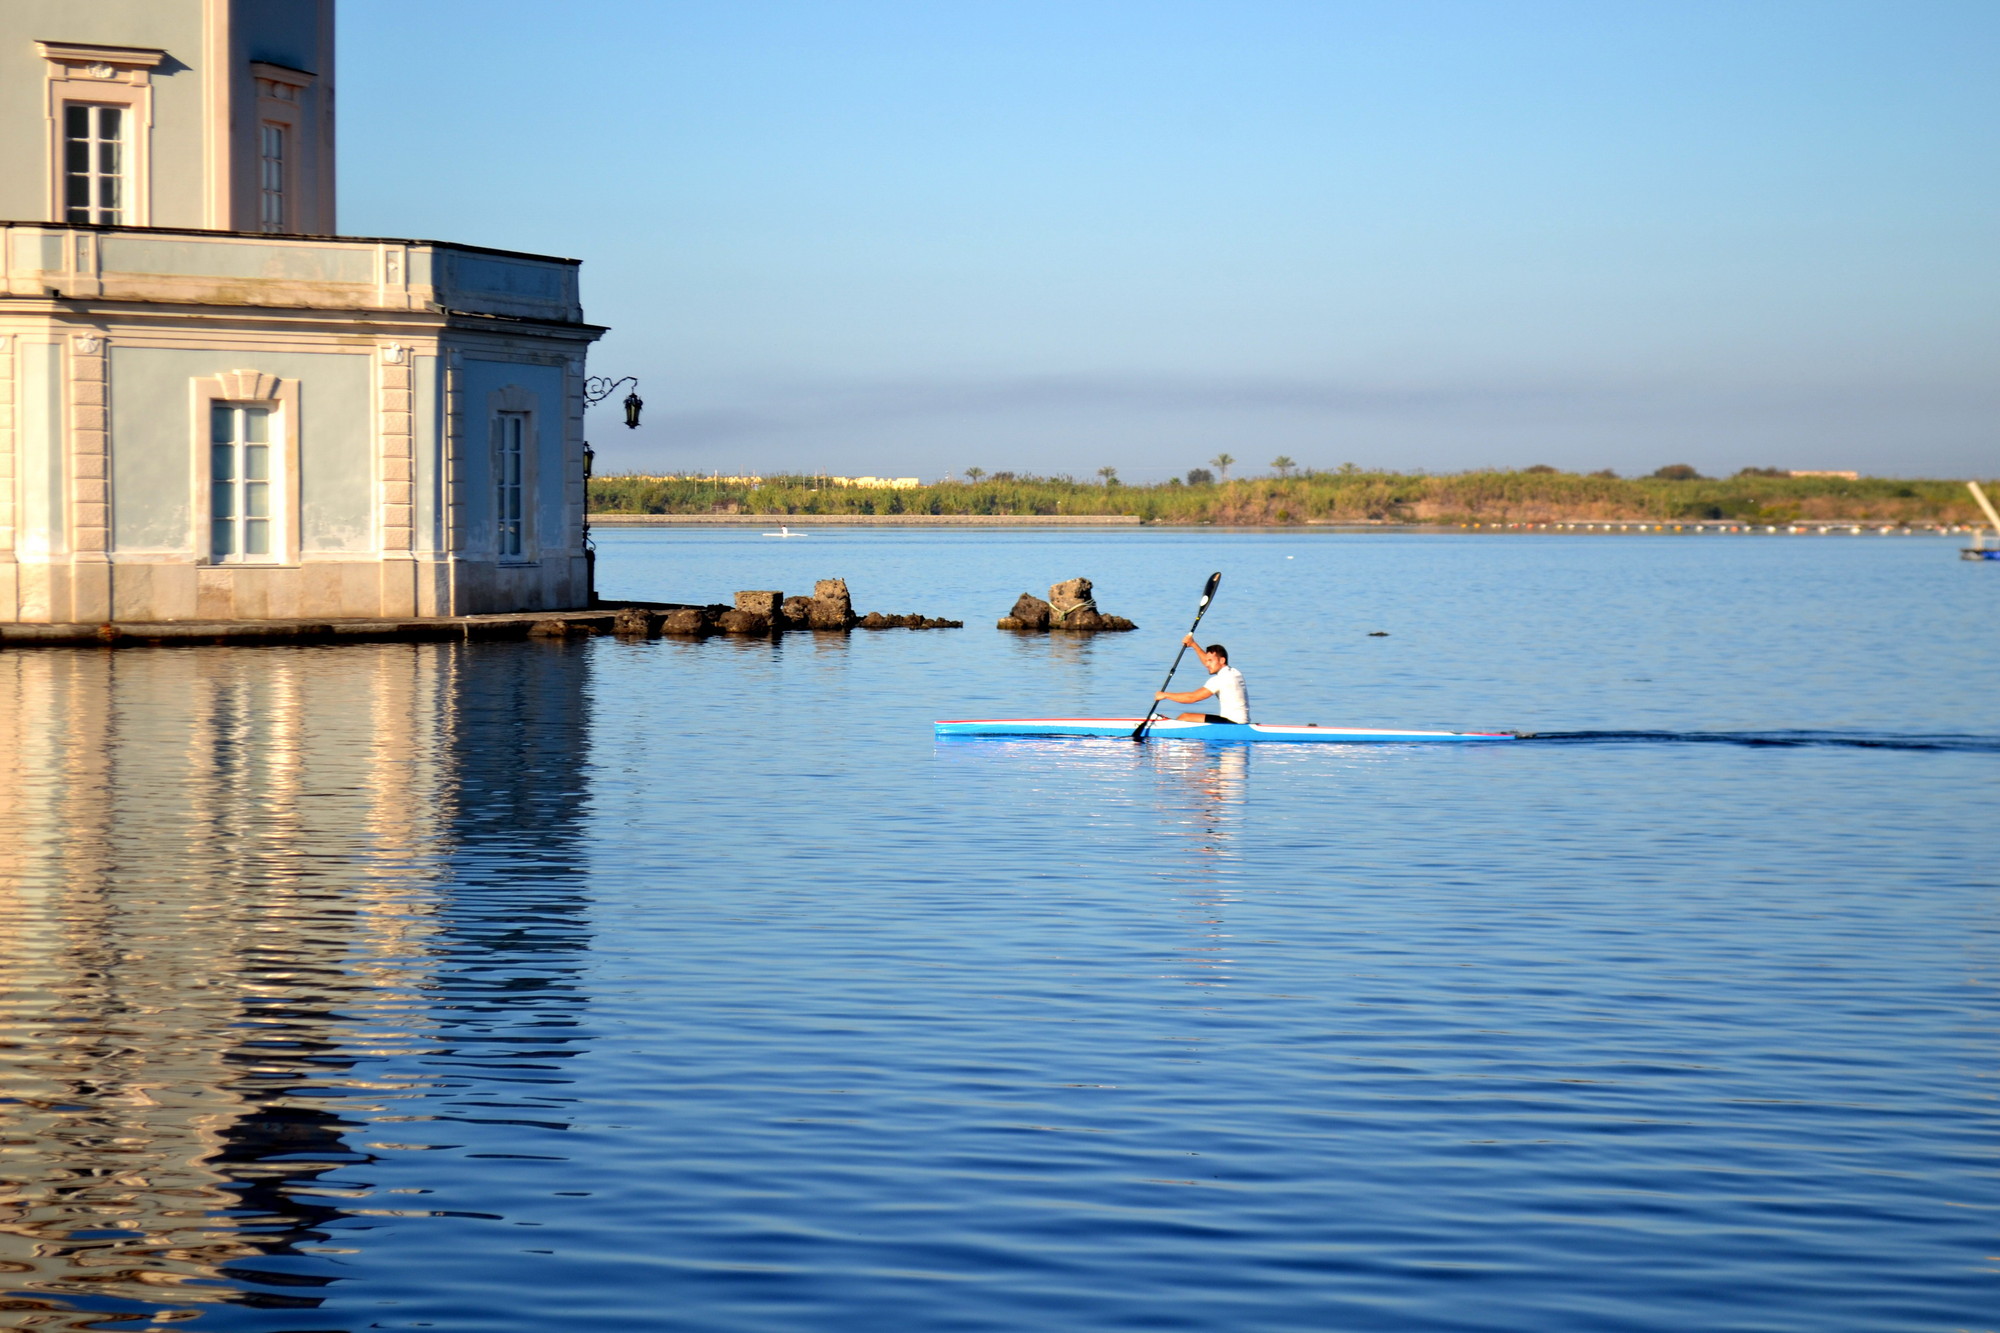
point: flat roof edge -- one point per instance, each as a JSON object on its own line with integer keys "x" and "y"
{"x": 282, "y": 236}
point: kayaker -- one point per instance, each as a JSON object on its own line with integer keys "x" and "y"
{"x": 1224, "y": 685}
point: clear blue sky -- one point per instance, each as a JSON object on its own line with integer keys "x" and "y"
{"x": 1053, "y": 235}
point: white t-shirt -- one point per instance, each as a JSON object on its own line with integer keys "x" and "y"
{"x": 1232, "y": 699}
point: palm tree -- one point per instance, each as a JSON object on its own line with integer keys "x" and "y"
{"x": 1284, "y": 464}
{"x": 974, "y": 473}
{"x": 1222, "y": 462}
{"x": 1110, "y": 475}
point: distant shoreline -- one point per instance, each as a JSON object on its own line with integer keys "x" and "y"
{"x": 805, "y": 523}
{"x": 1539, "y": 498}
{"x": 864, "y": 520}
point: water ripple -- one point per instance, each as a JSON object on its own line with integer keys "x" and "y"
{"x": 644, "y": 986}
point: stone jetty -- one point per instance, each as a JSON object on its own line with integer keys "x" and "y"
{"x": 755, "y": 613}
{"x": 770, "y": 612}
{"x": 1070, "y": 609}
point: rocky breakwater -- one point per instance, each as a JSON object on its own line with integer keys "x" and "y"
{"x": 1070, "y": 609}
{"x": 765, "y": 613}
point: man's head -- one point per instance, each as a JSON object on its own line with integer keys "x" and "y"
{"x": 1214, "y": 657}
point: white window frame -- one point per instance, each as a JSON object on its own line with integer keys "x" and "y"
{"x": 513, "y": 498}
{"x": 94, "y": 176}
{"x": 274, "y": 173}
{"x": 280, "y": 101}
{"x": 280, "y": 398}
{"x": 242, "y": 484}
{"x": 110, "y": 76}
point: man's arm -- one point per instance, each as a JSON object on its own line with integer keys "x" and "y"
{"x": 1192, "y": 696}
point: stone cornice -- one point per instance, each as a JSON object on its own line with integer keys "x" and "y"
{"x": 87, "y": 53}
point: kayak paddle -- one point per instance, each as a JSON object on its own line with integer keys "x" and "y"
{"x": 1139, "y": 732}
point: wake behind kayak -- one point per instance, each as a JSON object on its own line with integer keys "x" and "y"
{"x": 1163, "y": 729}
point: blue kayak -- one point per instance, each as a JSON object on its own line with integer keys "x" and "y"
{"x": 1121, "y": 728}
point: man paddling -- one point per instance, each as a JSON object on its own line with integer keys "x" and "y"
{"x": 1224, "y": 685}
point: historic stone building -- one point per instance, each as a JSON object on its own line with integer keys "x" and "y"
{"x": 213, "y": 407}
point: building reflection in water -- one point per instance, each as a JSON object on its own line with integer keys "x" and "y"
{"x": 1202, "y": 792}
{"x": 252, "y": 900}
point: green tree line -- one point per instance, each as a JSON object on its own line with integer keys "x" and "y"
{"x": 1347, "y": 495}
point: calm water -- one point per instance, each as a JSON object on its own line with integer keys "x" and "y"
{"x": 637, "y": 986}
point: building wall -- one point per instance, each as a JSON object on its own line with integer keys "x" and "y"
{"x": 551, "y": 570}
{"x": 385, "y": 357}
{"x": 201, "y": 149}
{"x": 174, "y": 26}
{"x": 483, "y": 379}
{"x": 297, "y": 34}
{"x": 156, "y": 449}
{"x": 39, "y": 450}
{"x": 390, "y": 501}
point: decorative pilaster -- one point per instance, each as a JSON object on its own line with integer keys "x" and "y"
{"x": 396, "y": 481}
{"x": 7, "y": 464}
{"x": 576, "y": 486}
{"x": 10, "y": 435}
{"x": 397, "y": 496}
{"x": 451, "y": 450}
{"x": 89, "y": 478}
{"x": 578, "y": 548}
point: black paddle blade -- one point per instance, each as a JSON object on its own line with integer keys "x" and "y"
{"x": 1214, "y": 582}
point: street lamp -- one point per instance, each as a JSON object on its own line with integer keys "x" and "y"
{"x": 596, "y": 389}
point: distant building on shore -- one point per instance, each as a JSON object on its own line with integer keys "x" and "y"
{"x": 1819, "y": 472}
{"x": 211, "y": 405}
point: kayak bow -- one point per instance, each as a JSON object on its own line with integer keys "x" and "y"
{"x": 1164, "y": 729}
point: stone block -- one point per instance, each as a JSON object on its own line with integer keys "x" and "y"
{"x": 215, "y": 593}
{"x": 636, "y": 622}
{"x": 253, "y": 593}
{"x": 1030, "y": 611}
{"x": 831, "y": 606}
{"x": 687, "y": 620}
{"x": 763, "y": 604}
{"x": 360, "y": 592}
{"x": 1070, "y": 609}
{"x": 1069, "y": 593}
{"x": 796, "y": 612}
{"x": 733, "y": 621}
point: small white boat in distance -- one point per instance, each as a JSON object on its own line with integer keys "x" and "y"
{"x": 784, "y": 531}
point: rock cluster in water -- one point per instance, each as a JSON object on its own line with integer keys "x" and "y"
{"x": 1070, "y": 609}
{"x": 767, "y": 613}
